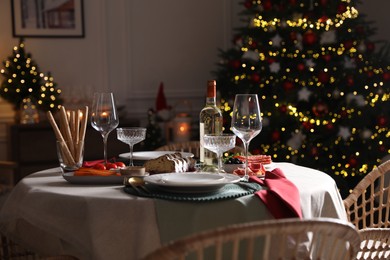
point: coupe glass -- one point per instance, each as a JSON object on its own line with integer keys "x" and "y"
{"x": 131, "y": 136}
{"x": 104, "y": 117}
{"x": 219, "y": 144}
{"x": 246, "y": 121}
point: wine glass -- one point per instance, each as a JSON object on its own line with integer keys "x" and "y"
{"x": 219, "y": 144}
{"x": 246, "y": 121}
{"x": 131, "y": 136}
{"x": 104, "y": 117}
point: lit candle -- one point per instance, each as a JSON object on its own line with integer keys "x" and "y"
{"x": 182, "y": 128}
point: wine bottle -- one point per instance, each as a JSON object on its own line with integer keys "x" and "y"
{"x": 210, "y": 119}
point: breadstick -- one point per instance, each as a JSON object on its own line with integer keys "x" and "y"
{"x": 68, "y": 135}
{"x": 83, "y": 128}
{"x": 64, "y": 148}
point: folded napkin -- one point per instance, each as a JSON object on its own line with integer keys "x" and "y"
{"x": 282, "y": 196}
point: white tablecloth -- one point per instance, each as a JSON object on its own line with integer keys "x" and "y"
{"x": 51, "y": 216}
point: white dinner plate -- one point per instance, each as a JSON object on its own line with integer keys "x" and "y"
{"x": 112, "y": 179}
{"x": 148, "y": 155}
{"x": 191, "y": 182}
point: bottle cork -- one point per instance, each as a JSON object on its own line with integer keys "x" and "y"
{"x": 211, "y": 88}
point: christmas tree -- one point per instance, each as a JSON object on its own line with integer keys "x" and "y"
{"x": 322, "y": 85}
{"x": 22, "y": 79}
{"x": 154, "y": 137}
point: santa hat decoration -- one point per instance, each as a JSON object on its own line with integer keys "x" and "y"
{"x": 161, "y": 102}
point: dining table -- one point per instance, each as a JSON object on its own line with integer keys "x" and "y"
{"x": 51, "y": 215}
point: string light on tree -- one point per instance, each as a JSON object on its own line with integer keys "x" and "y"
{"x": 324, "y": 85}
{"x": 22, "y": 79}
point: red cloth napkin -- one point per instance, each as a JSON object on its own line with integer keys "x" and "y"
{"x": 282, "y": 196}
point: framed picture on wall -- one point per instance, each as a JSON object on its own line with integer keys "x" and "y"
{"x": 47, "y": 18}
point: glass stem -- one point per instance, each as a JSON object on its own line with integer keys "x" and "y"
{"x": 246, "y": 160}
{"x": 219, "y": 162}
{"x": 131, "y": 155}
{"x": 105, "y": 137}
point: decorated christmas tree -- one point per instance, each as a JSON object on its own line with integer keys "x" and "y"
{"x": 22, "y": 79}
{"x": 322, "y": 84}
{"x": 154, "y": 136}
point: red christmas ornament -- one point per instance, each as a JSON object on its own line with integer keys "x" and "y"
{"x": 292, "y": 2}
{"x": 253, "y": 44}
{"x": 283, "y": 109}
{"x": 323, "y": 19}
{"x": 370, "y": 46}
{"x": 293, "y": 36}
{"x": 248, "y": 4}
{"x": 255, "y": 77}
{"x": 309, "y": 15}
{"x": 323, "y": 77}
{"x": 288, "y": 85}
{"x": 323, "y": 2}
{"x": 343, "y": 113}
{"x": 382, "y": 121}
{"x": 370, "y": 74}
{"x": 301, "y": 66}
{"x": 271, "y": 60}
{"x": 320, "y": 109}
{"x": 348, "y": 44}
{"x": 330, "y": 126}
{"x": 267, "y": 5}
{"x": 386, "y": 76}
{"x": 235, "y": 64}
{"x": 352, "y": 161}
{"x": 327, "y": 57}
{"x": 314, "y": 151}
{"x": 275, "y": 136}
{"x": 342, "y": 8}
{"x": 359, "y": 29}
{"x": 310, "y": 38}
{"x": 307, "y": 125}
{"x": 382, "y": 148}
{"x": 350, "y": 81}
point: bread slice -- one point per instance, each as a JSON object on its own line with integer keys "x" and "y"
{"x": 170, "y": 163}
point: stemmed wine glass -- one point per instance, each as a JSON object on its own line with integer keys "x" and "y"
{"x": 219, "y": 144}
{"x": 104, "y": 117}
{"x": 131, "y": 136}
{"x": 246, "y": 121}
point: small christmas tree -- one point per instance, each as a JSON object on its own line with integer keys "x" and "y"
{"x": 323, "y": 89}
{"x": 22, "y": 79}
{"x": 154, "y": 138}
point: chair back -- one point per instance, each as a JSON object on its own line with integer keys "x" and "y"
{"x": 368, "y": 203}
{"x": 189, "y": 147}
{"x": 375, "y": 243}
{"x": 321, "y": 238}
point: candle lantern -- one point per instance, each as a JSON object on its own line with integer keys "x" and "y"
{"x": 181, "y": 127}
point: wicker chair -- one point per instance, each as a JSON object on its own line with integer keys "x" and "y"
{"x": 321, "y": 238}
{"x": 190, "y": 147}
{"x": 368, "y": 206}
{"x": 375, "y": 243}
{"x": 9, "y": 250}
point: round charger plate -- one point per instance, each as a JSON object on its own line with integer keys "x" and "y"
{"x": 148, "y": 155}
{"x": 112, "y": 179}
{"x": 190, "y": 182}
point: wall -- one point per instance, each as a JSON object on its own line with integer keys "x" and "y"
{"x": 132, "y": 45}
